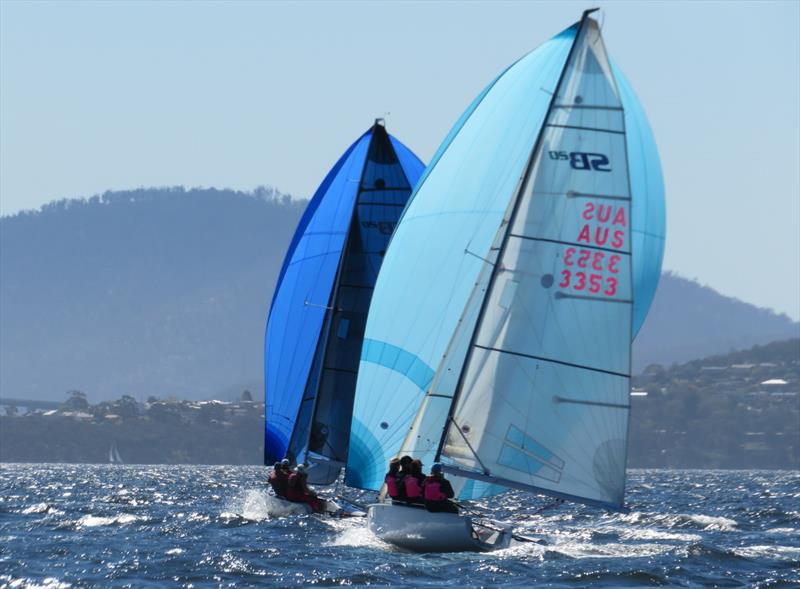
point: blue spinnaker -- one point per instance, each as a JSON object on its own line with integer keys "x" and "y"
{"x": 315, "y": 325}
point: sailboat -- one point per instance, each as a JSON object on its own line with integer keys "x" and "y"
{"x": 319, "y": 309}
{"x": 499, "y": 337}
{"x": 113, "y": 455}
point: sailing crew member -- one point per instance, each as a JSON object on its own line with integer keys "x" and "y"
{"x": 299, "y": 492}
{"x": 413, "y": 482}
{"x": 405, "y": 468}
{"x": 437, "y": 491}
{"x": 392, "y": 479}
{"x": 279, "y": 479}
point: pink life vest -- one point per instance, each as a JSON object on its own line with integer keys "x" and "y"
{"x": 433, "y": 490}
{"x": 391, "y": 485}
{"x": 413, "y": 490}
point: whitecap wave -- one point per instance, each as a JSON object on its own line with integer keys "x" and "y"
{"x": 92, "y": 521}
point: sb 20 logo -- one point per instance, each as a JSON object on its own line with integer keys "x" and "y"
{"x": 580, "y": 160}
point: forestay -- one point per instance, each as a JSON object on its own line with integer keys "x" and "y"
{"x": 542, "y": 401}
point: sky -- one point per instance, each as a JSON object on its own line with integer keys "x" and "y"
{"x": 98, "y": 96}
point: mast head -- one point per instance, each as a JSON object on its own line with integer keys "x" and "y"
{"x": 589, "y": 11}
{"x": 380, "y": 121}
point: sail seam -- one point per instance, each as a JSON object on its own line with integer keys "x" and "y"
{"x": 577, "y": 128}
{"x": 560, "y": 242}
{"x": 562, "y": 362}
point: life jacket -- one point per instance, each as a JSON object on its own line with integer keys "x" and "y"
{"x": 433, "y": 490}
{"x": 412, "y": 487}
{"x": 279, "y": 483}
{"x": 295, "y": 490}
{"x": 391, "y": 485}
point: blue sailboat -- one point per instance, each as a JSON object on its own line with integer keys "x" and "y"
{"x": 318, "y": 313}
{"x": 499, "y": 336}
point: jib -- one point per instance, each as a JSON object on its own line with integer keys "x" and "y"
{"x": 580, "y": 160}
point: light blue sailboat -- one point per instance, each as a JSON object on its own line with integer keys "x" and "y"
{"x": 319, "y": 309}
{"x": 499, "y": 336}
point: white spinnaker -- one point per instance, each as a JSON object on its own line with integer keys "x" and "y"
{"x": 543, "y": 401}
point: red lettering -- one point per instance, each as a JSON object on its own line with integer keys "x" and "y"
{"x": 565, "y": 283}
{"x": 597, "y": 261}
{"x": 612, "y": 264}
{"x": 587, "y": 211}
{"x": 619, "y": 238}
{"x": 583, "y": 258}
{"x": 581, "y": 281}
{"x": 612, "y": 286}
{"x": 598, "y": 231}
{"x": 584, "y": 235}
{"x": 595, "y": 282}
{"x": 603, "y": 218}
{"x": 568, "y": 256}
{"x": 619, "y": 218}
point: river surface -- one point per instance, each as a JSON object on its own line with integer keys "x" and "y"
{"x": 193, "y": 526}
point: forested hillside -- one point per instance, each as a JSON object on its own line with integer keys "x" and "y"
{"x": 165, "y": 291}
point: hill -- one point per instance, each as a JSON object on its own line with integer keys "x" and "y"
{"x": 165, "y": 291}
{"x": 738, "y": 410}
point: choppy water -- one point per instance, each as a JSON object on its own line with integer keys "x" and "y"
{"x": 168, "y": 526}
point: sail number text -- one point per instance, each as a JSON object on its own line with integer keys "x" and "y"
{"x": 594, "y": 268}
{"x": 581, "y": 160}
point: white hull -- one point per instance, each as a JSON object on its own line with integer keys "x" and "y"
{"x": 277, "y": 507}
{"x": 419, "y": 530}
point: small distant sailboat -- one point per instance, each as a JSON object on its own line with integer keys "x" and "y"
{"x": 113, "y": 455}
{"x": 316, "y": 322}
{"x": 499, "y": 337}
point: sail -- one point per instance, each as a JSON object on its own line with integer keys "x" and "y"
{"x": 437, "y": 253}
{"x": 648, "y": 212}
{"x": 316, "y": 322}
{"x": 322, "y": 432}
{"x": 425, "y": 299}
{"x": 543, "y": 397}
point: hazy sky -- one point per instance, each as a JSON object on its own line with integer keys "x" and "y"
{"x": 112, "y": 95}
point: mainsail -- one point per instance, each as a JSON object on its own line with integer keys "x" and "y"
{"x": 318, "y": 314}
{"x": 439, "y": 277}
{"x": 543, "y": 397}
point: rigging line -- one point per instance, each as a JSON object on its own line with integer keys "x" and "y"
{"x": 326, "y": 307}
{"x": 471, "y": 449}
{"x": 543, "y": 359}
{"x": 466, "y": 251}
